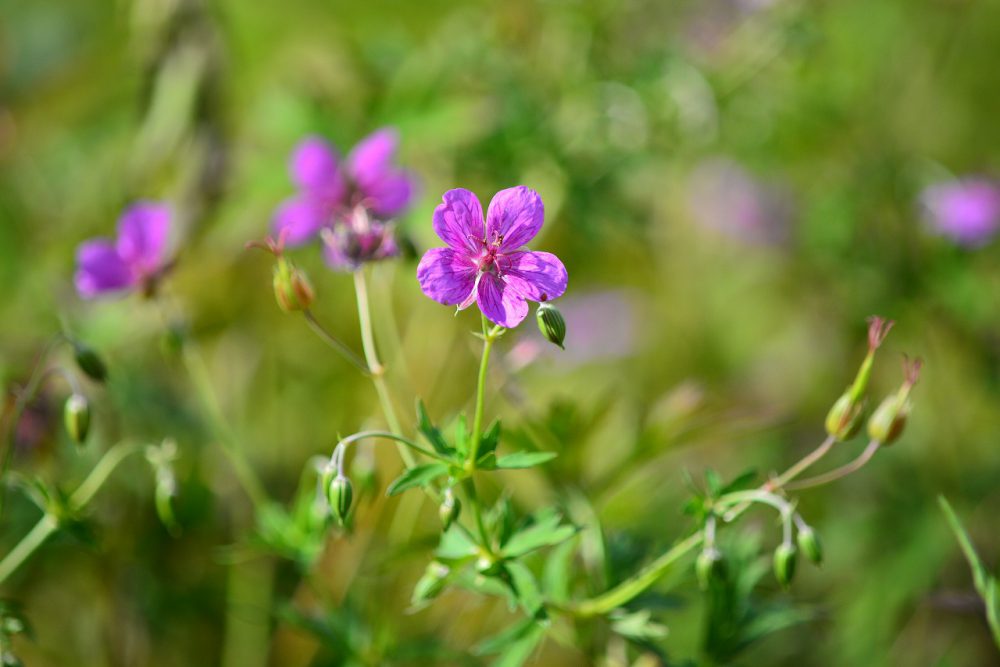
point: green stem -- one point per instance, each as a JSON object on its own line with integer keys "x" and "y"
{"x": 375, "y": 367}
{"x": 392, "y": 436}
{"x": 49, "y": 522}
{"x": 334, "y": 342}
{"x": 469, "y": 484}
{"x": 837, "y": 473}
{"x": 489, "y": 336}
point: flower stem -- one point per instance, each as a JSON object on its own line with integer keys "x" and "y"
{"x": 391, "y": 436}
{"x": 375, "y": 367}
{"x": 49, "y": 522}
{"x": 489, "y": 336}
{"x": 335, "y": 342}
{"x": 837, "y": 473}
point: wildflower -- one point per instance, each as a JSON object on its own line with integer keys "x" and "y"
{"x": 358, "y": 239}
{"x": 726, "y": 198}
{"x": 137, "y": 258}
{"x": 967, "y": 211}
{"x": 485, "y": 262}
{"x": 326, "y": 189}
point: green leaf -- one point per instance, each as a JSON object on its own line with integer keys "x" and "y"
{"x": 461, "y": 435}
{"x": 744, "y": 481}
{"x": 525, "y": 587}
{"x": 547, "y": 530}
{"x": 639, "y": 625}
{"x": 713, "y": 482}
{"x": 487, "y": 461}
{"x": 421, "y": 475}
{"x": 515, "y": 644}
{"x": 524, "y": 459}
{"x": 456, "y": 545}
{"x": 431, "y": 432}
{"x": 558, "y": 570}
{"x": 490, "y": 438}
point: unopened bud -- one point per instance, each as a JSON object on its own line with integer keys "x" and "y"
{"x": 784, "y": 563}
{"x": 291, "y": 286}
{"x": 551, "y": 323}
{"x": 340, "y": 494}
{"x": 89, "y": 362}
{"x": 844, "y": 419}
{"x": 76, "y": 414}
{"x": 810, "y": 545}
{"x": 708, "y": 566}
{"x": 432, "y": 583}
{"x": 449, "y": 509}
{"x": 889, "y": 419}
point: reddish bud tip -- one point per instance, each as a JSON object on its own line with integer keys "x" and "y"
{"x": 911, "y": 369}
{"x": 878, "y": 329}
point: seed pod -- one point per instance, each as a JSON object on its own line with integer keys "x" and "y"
{"x": 340, "y": 495}
{"x": 784, "y": 563}
{"x": 888, "y": 420}
{"x": 844, "y": 419}
{"x": 76, "y": 415}
{"x": 89, "y": 362}
{"x": 449, "y": 510}
{"x": 292, "y": 288}
{"x": 810, "y": 544}
{"x": 707, "y": 566}
{"x": 431, "y": 584}
{"x": 551, "y": 323}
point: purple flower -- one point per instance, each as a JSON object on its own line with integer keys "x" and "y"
{"x": 356, "y": 240}
{"x": 967, "y": 211}
{"x": 136, "y": 258}
{"x": 724, "y": 197}
{"x": 485, "y": 261}
{"x": 328, "y": 189}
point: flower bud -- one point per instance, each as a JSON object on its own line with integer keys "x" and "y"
{"x": 89, "y": 362}
{"x": 889, "y": 419}
{"x": 76, "y": 415}
{"x": 449, "y": 510}
{"x": 810, "y": 545}
{"x": 708, "y": 565}
{"x": 784, "y": 563}
{"x": 340, "y": 494}
{"x": 432, "y": 583}
{"x": 291, "y": 286}
{"x": 551, "y": 323}
{"x": 844, "y": 419}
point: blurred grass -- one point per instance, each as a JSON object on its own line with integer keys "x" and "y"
{"x": 606, "y": 108}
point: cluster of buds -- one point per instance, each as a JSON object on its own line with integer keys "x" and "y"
{"x": 846, "y": 416}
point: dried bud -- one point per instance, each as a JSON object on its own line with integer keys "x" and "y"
{"x": 431, "y": 584}
{"x": 449, "y": 510}
{"x": 551, "y": 323}
{"x": 708, "y": 566}
{"x": 89, "y": 362}
{"x": 844, "y": 419}
{"x": 889, "y": 419}
{"x": 76, "y": 414}
{"x": 810, "y": 545}
{"x": 291, "y": 286}
{"x": 784, "y": 563}
{"x": 340, "y": 495}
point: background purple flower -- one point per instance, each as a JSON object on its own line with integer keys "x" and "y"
{"x": 724, "y": 197}
{"x": 967, "y": 211}
{"x": 358, "y": 239}
{"x": 135, "y": 258}
{"x": 485, "y": 262}
{"x": 328, "y": 190}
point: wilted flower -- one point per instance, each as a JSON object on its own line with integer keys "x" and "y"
{"x": 328, "y": 189}
{"x": 726, "y": 198}
{"x": 485, "y": 262}
{"x": 967, "y": 211}
{"x": 136, "y": 258}
{"x": 358, "y": 239}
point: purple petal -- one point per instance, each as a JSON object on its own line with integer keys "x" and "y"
{"x": 967, "y": 211}
{"x": 142, "y": 236}
{"x": 99, "y": 269}
{"x": 300, "y": 219}
{"x": 446, "y": 276}
{"x": 371, "y": 160}
{"x": 458, "y": 221}
{"x": 516, "y": 215}
{"x": 389, "y": 195}
{"x": 538, "y": 276}
{"x": 501, "y": 303}
{"x": 314, "y": 168}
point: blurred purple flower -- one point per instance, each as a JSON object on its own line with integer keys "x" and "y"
{"x": 135, "y": 259}
{"x": 356, "y": 240}
{"x": 967, "y": 211}
{"x": 485, "y": 262}
{"x": 724, "y": 197}
{"x": 327, "y": 189}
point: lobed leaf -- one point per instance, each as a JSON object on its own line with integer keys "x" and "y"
{"x": 420, "y": 475}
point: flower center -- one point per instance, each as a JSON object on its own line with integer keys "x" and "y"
{"x": 490, "y": 255}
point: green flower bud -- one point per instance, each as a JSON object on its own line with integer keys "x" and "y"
{"x": 708, "y": 566}
{"x": 291, "y": 286}
{"x": 431, "y": 584}
{"x": 551, "y": 323}
{"x": 76, "y": 415}
{"x": 844, "y": 419}
{"x": 89, "y": 362}
{"x": 449, "y": 510}
{"x": 810, "y": 544}
{"x": 340, "y": 495}
{"x": 784, "y": 563}
{"x": 888, "y": 421}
